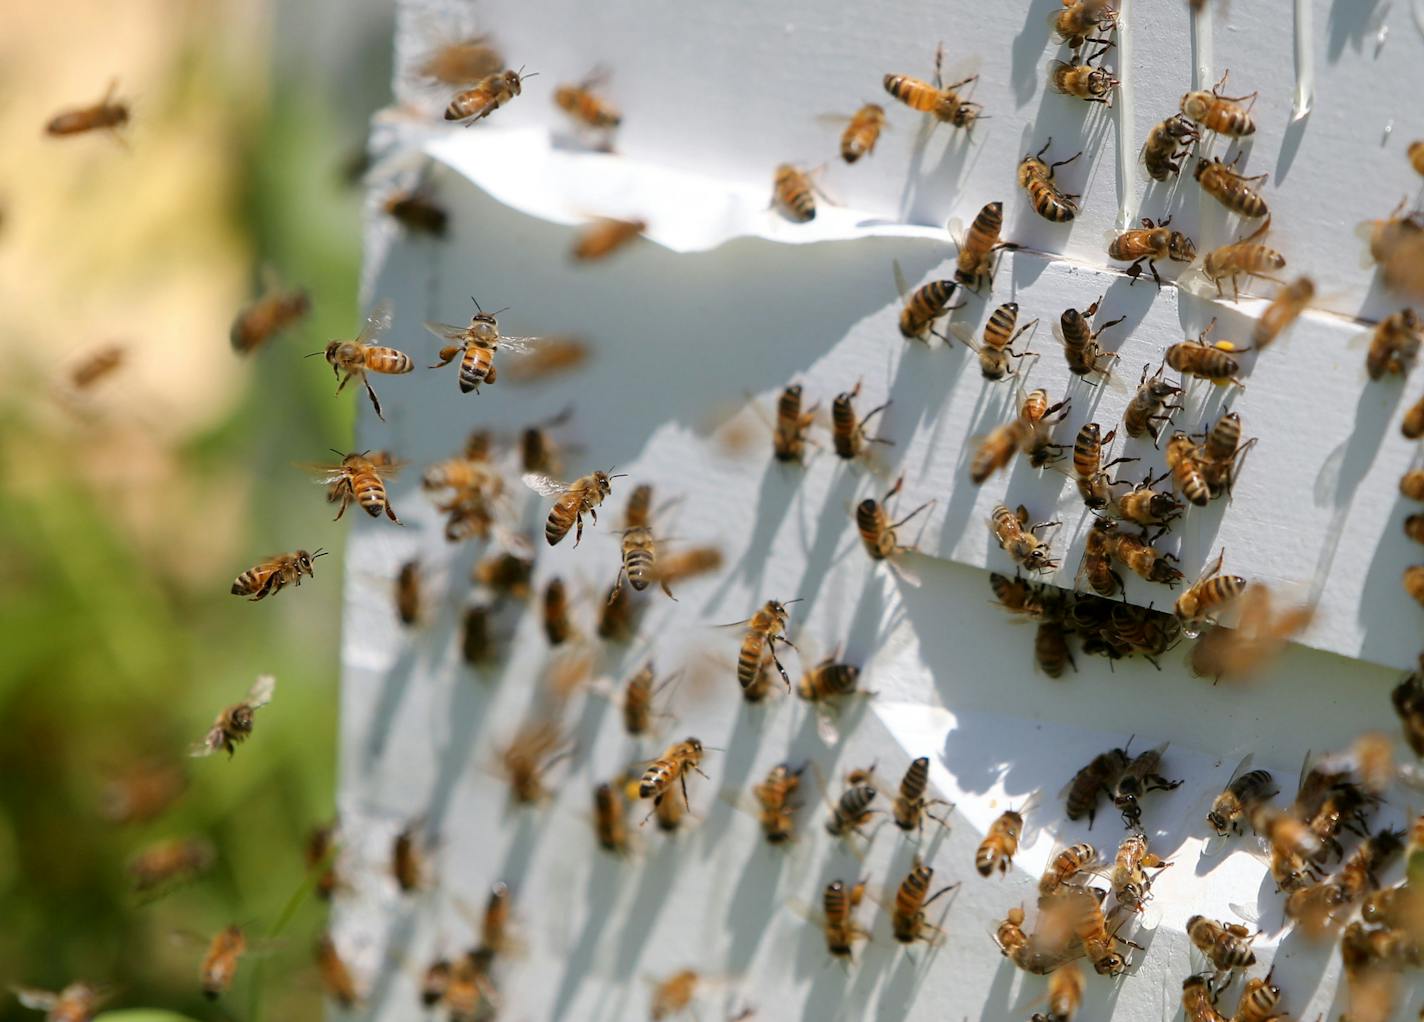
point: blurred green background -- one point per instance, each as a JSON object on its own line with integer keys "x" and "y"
{"x": 128, "y": 515}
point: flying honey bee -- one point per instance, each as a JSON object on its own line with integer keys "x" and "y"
{"x": 827, "y": 680}
{"x": 1150, "y": 242}
{"x": 1036, "y": 178}
{"x": 1209, "y": 594}
{"x": 848, "y": 431}
{"x": 764, "y": 630}
{"x": 336, "y": 978}
{"x": 574, "y": 500}
{"x": 686, "y": 564}
{"x": 273, "y": 311}
{"x": 273, "y": 573}
{"x": 1080, "y": 341}
{"x": 602, "y": 238}
{"x": 141, "y": 791}
{"x": 1246, "y": 790}
{"x": 877, "y": 531}
{"x": 775, "y": 795}
{"x": 618, "y": 617}
{"x": 638, "y": 695}
{"x": 77, "y": 1002}
{"x": 234, "y": 724}
{"x": 669, "y": 814}
{"x": 1247, "y": 258}
{"x": 352, "y": 360}
{"x": 1131, "y": 885}
{"x": 862, "y": 132}
{"x": 488, "y": 95}
{"x": 1219, "y": 113}
{"x": 608, "y": 822}
{"x": 170, "y": 862}
{"x": 495, "y": 938}
{"x": 639, "y": 563}
{"x": 1227, "y": 946}
{"x": 1001, "y": 841}
{"x": 1088, "y": 466}
{"x": 319, "y": 852}
{"x": 1020, "y": 543}
{"x": 108, "y": 114}
{"x": 554, "y": 354}
{"x": 475, "y": 345}
{"x": 408, "y": 864}
{"x": 1188, "y": 474}
{"x": 941, "y": 101}
{"x": 674, "y": 995}
{"x": 1394, "y": 345}
{"x": 1067, "y": 866}
{"x": 1285, "y": 309}
{"x": 1215, "y": 362}
{"x": 671, "y": 768}
{"x": 469, "y": 994}
{"x": 558, "y": 624}
{"x": 417, "y": 210}
{"x": 794, "y": 193}
{"x": 1392, "y": 236}
{"x": 360, "y": 477}
{"x": 462, "y": 62}
{"x": 975, "y": 263}
{"x": 907, "y": 917}
{"x": 585, "y": 107}
{"x": 910, "y": 806}
{"x": 435, "y": 982}
{"x": 220, "y": 962}
{"x": 1096, "y": 779}
{"x": 924, "y": 306}
{"x": 1078, "y": 20}
{"x": 1141, "y": 775}
{"x": 408, "y": 593}
{"x": 526, "y": 760}
{"x": 1082, "y": 81}
{"x": 1416, "y": 155}
{"x": 1359, "y": 874}
{"x": 477, "y": 643}
{"x": 1167, "y": 145}
{"x": 999, "y": 335}
{"x": 1232, "y": 190}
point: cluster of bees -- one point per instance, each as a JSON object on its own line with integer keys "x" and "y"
{"x": 1075, "y": 918}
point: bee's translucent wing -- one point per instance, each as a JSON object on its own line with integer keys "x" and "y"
{"x": 323, "y": 475}
{"x": 447, "y": 331}
{"x": 211, "y": 743}
{"x": 827, "y": 726}
{"x": 40, "y": 1000}
{"x": 544, "y": 485}
{"x": 900, "y": 284}
{"x": 377, "y": 323}
{"x": 519, "y": 344}
{"x": 262, "y": 690}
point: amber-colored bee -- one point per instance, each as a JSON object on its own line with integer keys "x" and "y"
{"x": 1094, "y": 780}
{"x": 1096, "y": 566}
{"x": 469, "y": 994}
{"x": 435, "y": 982}
{"x": 360, "y": 477}
{"x": 764, "y": 630}
{"x": 669, "y": 814}
{"x": 408, "y": 593}
{"x": 1411, "y": 484}
{"x": 1090, "y": 926}
{"x": 319, "y": 853}
{"x": 1394, "y": 345}
{"x": 77, "y": 1002}
{"x": 587, "y": 109}
{"x": 618, "y": 617}
{"x": 1088, "y": 466}
{"x": 1208, "y": 594}
{"x": 488, "y": 95}
{"x": 1185, "y": 462}
{"x": 273, "y": 573}
{"x": 170, "y": 862}
{"x": 1246, "y": 257}
{"x": 608, "y": 821}
{"x": 848, "y": 431}
{"x": 1040, "y": 954}
{"x": 462, "y": 62}
{"x": 794, "y": 193}
{"x": 941, "y": 101}
{"x": 555, "y": 354}
{"x": 1198, "y": 1001}
{"x": 1143, "y": 559}
{"x": 109, "y": 113}
{"x": 1064, "y": 868}
{"x": 275, "y": 310}
{"x": 1259, "y": 1000}
{"x": 220, "y": 963}
{"x": 998, "y": 449}
{"x": 417, "y": 211}
{"x": 673, "y": 995}
{"x": 408, "y": 864}
{"x": 1150, "y": 242}
{"x": 999, "y": 335}
{"x": 862, "y": 132}
{"x": 234, "y": 724}
{"x": 1285, "y": 309}
{"x": 475, "y": 345}
{"x": 336, "y": 978}
{"x": 975, "y": 263}
{"x": 1246, "y": 790}
{"x": 1408, "y": 700}
{"x": 687, "y": 564}
{"x": 1358, "y": 875}
{"x": 1001, "y": 841}
{"x": 1412, "y": 425}
{"x": 1226, "y": 945}
{"x": 1232, "y": 190}
{"x": 907, "y": 917}
{"x": 638, "y": 700}
{"x": 775, "y": 796}
{"x": 574, "y": 500}
{"x": 1080, "y": 341}
{"x": 1222, "y": 453}
{"x": 1167, "y": 145}
{"x": 1078, "y": 20}
{"x": 1130, "y": 883}
{"x": 788, "y": 436}
{"x": 352, "y": 360}
{"x": 558, "y": 625}
{"x": 527, "y": 758}
{"x": 1393, "y": 234}
{"x": 877, "y": 531}
{"x": 1147, "y": 507}
{"x": 827, "y": 680}
{"x": 1065, "y": 994}
{"x": 1213, "y": 362}
{"x": 838, "y": 903}
{"x": 1416, "y": 155}
{"x": 1414, "y": 582}
{"x": 1017, "y": 595}
{"x": 1050, "y": 648}
{"x": 1140, "y": 776}
{"x": 910, "y": 805}
{"x": 924, "y": 306}
{"x": 602, "y": 238}
{"x": 671, "y": 768}
{"x": 1082, "y": 81}
{"x": 1047, "y": 200}
{"x": 1019, "y": 542}
{"x": 1219, "y": 113}
{"x": 494, "y": 924}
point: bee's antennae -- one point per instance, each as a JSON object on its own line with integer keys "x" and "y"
{"x": 500, "y": 312}
{"x": 788, "y": 603}
{"x": 334, "y": 451}
{"x": 322, "y": 352}
{"x": 477, "y": 303}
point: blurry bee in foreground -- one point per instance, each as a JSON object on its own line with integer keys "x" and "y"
{"x": 910, "y": 806}
{"x": 669, "y": 814}
{"x": 408, "y": 864}
{"x": 1411, "y": 484}
{"x": 361, "y": 477}
{"x": 828, "y": 680}
{"x": 558, "y": 625}
{"x": 1082, "y": 81}
{"x": 775, "y": 797}
{"x": 141, "y": 791}
{"x": 1359, "y": 874}
{"x": 1096, "y": 779}
{"x": 1188, "y": 471}
{"x": 1213, "y": 362}
{"x": 907, "y": 917}
{"x": 877, "y": 531}
{"x": 527, "y": 758}
{"x": 1408, "y": 700}
{"x": 924, "y": 306}
{"x": 336, "y": 978}
{"x": 1090, "y": 927}
{"x": 1130, "y": 883}
{"x": 1412, "y": 425}
{"x": 1065, "y": 994}
{"x": 602, "y": 238}
{"x": 417, "y": 211}
{"x": 587, "y": 109}
{"x": 618, "y": 617}
{"x": 671, "y": 768}
{"x": 794, "y": 192}
{"x": 1414, "y": 582}
{"x": 608, "y": 820}
{"x": 234, "y": 724}
{"x": 1001, "y": 842}
{"x": 1036, "y": 178}
{"x": 77, "y": 1002}
{"x": 220, "y": 963}
{"x": 1394, "y": 345}
{"x": 1140, "y": 776}
{"x": 170, "y": 862}
{"x": 1285, "y": 309}
{"x": 674, "y": 995}
{"x": 999, "y": 335}
{"x": 997, "y": 449}
{"x": 477, "y": 642}
{"x": 1088, "y": 466}
{"x": 1167, "y": 145}
{"x": 1247, "y": 258}
{"x": 975, "y": 263}
{"x": 1209, "y": 594}
{"x": 475, "y": 345}
{"x": 638, "y": 693}
{"x": 494, "y": 924}
{"x": 1226, "y": 945}
{"x": 862, "y": 132}
{"x": 1019, "y": 542}
{"x": 848, "y": 431}
{"x": 463, "y": 62}
{"x": 109, "y": 113}
{"x": 1389, "y": 236}
{"x": 1078, "y": 20}
{"x": 487, "y": 96}
{"x": 1081, "y": 350}
{"x": 96, "y": 365}
{"x": 273, "y": 573}
{"x": 686, "y": 564}
{"x": 573, "y": 501}
{"x": 941, "y": 101}
{"x": 408, "y": 593}
{"x": 273, "y": 311}
{"x": 1232, "y": 190}
{"x": 319, "y": 853}
{"x": 1219, "y": 113}
{"x": 556, "y": 354}
{"x": 1150, "y": 242}
{"x": 1246, "y": 790}
{"x": 352, "y": 360}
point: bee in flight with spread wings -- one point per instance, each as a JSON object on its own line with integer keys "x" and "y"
{"x": 360, "y": 356}
{"x": 475, "y": 345}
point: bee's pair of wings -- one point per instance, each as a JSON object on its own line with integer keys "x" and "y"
{"x": 260, "y": 695}
{"x": 377, "y": 323}
{"x": 324, "y": 474}
{"x": 545, "y": 486}
{"x": 461, "y": 335}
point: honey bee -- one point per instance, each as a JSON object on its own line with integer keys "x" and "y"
{"x": 1130, "y": 883}
{"x": 975, "y": 263}
{"x": 77, "y": 1002}
{"x": 463, "y": 62}
{"x": 1091, "y": 928}
{"x": 999, "y": 335}
{"x": 1065, "y": 866}
{"x": 336, "y": 978}
{"x": 275, "y": 310}
{"x": 687, "y": 564}
{"x": 417, "y": 211}
{"x": 1246, "y": 790}
{"x": 1222, "y": 452}
{"x": 1219, "y": 113}
{"x": 1143, "y": 630}
{"x": 1065, "y": 994}
{"x": 555, "y": 354}
{"x": 849, "y": 813}
{"x": 234, "y": 724}
{"x": 1212, "y": 362}
{"x": 838, "y": 903}
{"x": 558, "y": 626}
{"x": 1227, "y": 946}
{"x": 1184, "y": 460}
{"x": 1167, "y": 145}
{"x": 1082, "y": 81}
{"x": 1408, "y": 700}
{"x": 574, "y": 500}
{"x": 907, "y": 918}
{"x": 408, "y": 593}
{"x": 469, "y": 994}
{"x": 1035, "y": 954}
{"x": 1017, "y": 595}
{"x": 1416, "y": 155}
{"x": 220, "y": 963}
{"x": 1145, "y": 506}
{"x": 1150, "y": 242}
{"x": 764, "y": 630}
{"x": 877, "y": 531}
{"x": 1098, "y": 778}
{"x": 1001, "y": 841}
{"x": 775, "y": 795}
{"x": 477, "y": 645}
{"x": 360, "y": 477}
{"x": 618, "y": 617}
{"x": 1198, "y": 1002}
{"x": 1414, "y": 582}
{"x": 1021, "y": 543}
{"x": 587, "y": 109}
{"x": 1411, "y": 484}
{"x": 602, "y": 238}
{"x": 1358, "y": 875}
{"x": 788, "y": 436}
{"x": 848, "y": 431}
{"x": 1388, "y": 907}
{"x": 1050, "y": 648}
{"x": 1140, "y": 776}
{"x": 1047, "y": 200}
{"x": 1209, "y": 593}
{"x": 408, "y": 857}
{"x": 999, "y": 447}
{"x": 170, "y": 862}
{"x": 108, "y": 114}
{"x": 1394, "y": 345}
{"x": 827, "y": 680}
{"x": 352, "y": 360}
{"x": 793, "y": 191}
{"x": 671, "y": 768}
{"x": 941, "y": 101}
{"x": 1412, "y": 426}
{"x": 527, "y": 758}
{"x": 673, "y": 995}
{"x": 319, "y": 854}
{"x": 639, "y": 562}
{"x": 638, "y": 700}
{"x": 1232, "y": 190}
{"x": 1246, "y": 257}
{"x": 1259, "y": 1000}
{"x": 435, "y": 982}
{"x": 96, "y": 365}
{"x": 910, "y": 805}
{"x": 1080, "y": 340}
{"x": 1093, "y": 484}
{"x": 862, "y": 132}
{"x": 475, "y": 345}
{"x": 926, "y": 304}
{"x": 141, "y": 791}
{"x": 1096, "y": 566}
{"x": 608, "y": 821}
{"x": 494, "y": 924}
{"x": 1393, "y": 238}
{"x": 1075, "y": 24}
{"x": 273, "y": 573}
{"x": 486, "y": 96}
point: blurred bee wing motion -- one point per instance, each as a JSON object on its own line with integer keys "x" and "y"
{"x": 377, "y": 323}
{"x": 520, "y": 345}
{"x": 544, "y": 485}
{"x": 447, "y": 331}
